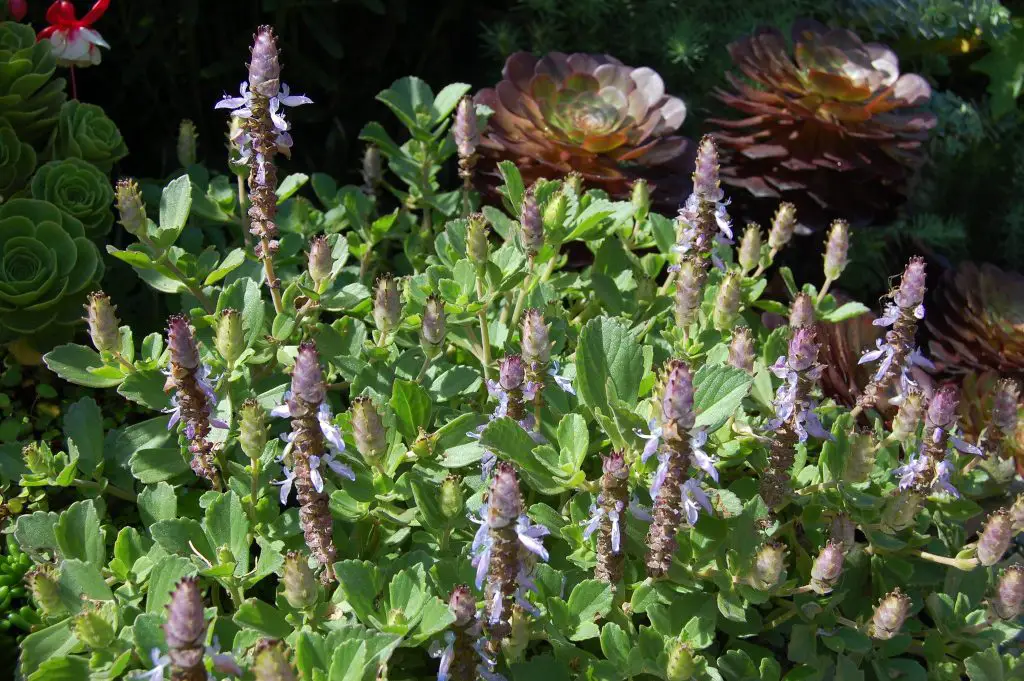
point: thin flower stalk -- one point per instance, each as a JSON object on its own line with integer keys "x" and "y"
{"x": 608, "y": 517}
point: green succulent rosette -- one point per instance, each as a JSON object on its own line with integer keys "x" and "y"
{"x": 47, "y": 266}
{"x": 17, "y": 161}
{"x": 79, "y": 189}
{"x": 30, "y": 97}
{"x": 84, "y": 131}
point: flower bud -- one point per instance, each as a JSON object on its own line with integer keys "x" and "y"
{"x": 995, "y": 538}
{"x": 680, "y": 665}
{"x": 1004, "y": 405}
{"x": 103, "y": 324}
{"x": 185, "y": 628}
{"x": 432, "y": 327}
{"x": 462, "y": 604}
{"x": 556, "y": 210}
{"x": 640, "y": 196}
{"x": 1008, "y": 603}
{"x": 741, "y": 350}
{"x": 387, "y": 303}
{"x": 320, "y": 261}
{"x": 750, "y": 248}
{"x": 907, "y": 418}
{"x": 264, "y": 66}
{"x": 531, "y": 225}
{"x": 130, "y": 207}
{"x": 182, "y": 343}
{"x": 504, "y": 500}
{"x": 783, "y": 225}
{"x": 368, "y": 429}
{"x": 42, "y": 583}
{"x": 705, "y": 173}
{"x": 452, "y": 501}
{"x": 803, "y": 350}
{"x": 843, "y": 532}
{"x": 768, "y": 570}
{"x": 92, "y": 628}
{"x": 573, "y": 182}
{"x": 307, "y": 375}
{"x": 677, "y": 396}
{"x": 300, "y": 585}
{"x": 910, "y": 294}
{"x": 942, "y": 408}
{"x": 836, "y": 249}
{"x": 889, "y": 615}
{"x": 464, "y": 130}
{"x": 614, "y": 465}
{"x": 727, "y": 303}
{"x": 900, "y": 511}
{"x": 802, "y": 311}
{"x": 827, "y": 568}
{"x": 477, "y": 244}
{"x": 229, "y": 339}
{"x": 39, "y": 459}
{"x": 861, "y": 460}
{"x": 511, "y": 372}
{"x": 252, "y": 428}
{"x": 186, "y": 147}
{"x": 372, "y": 170}
{"x": 271, "y": 662}
{"x": 535, "y": 338}
{"x": 689, "y": 289}
{"x": 1017, "y": 513}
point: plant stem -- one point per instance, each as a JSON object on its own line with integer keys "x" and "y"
{"x": 426, "y": 365}
{"x": 195, "y": 290}
{"x": 485, "y": 334}
{"x": 105, "y": 488}
{"x": 125, "y": 363}
{"x": 824, "y": 290}
{"x": 762, "y": 266}
{"x": 965, "y": 564}
{"x": 273, "y": 283}
{"x": 243, "y": 211}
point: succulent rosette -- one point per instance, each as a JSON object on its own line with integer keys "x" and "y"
{"x": 17, "y": 161}
{"x": 84, "y": 131}
{"x": 977, "y": 321}
{"x": 591, "y": 114}
{"x": 47, "y": 265}
{"x": 832, "y": 125}
{"x": 78, "y": 189}
{"x": 30, "y": 98}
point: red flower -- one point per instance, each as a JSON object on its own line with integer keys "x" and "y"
{"x": 73, "y": 41}
{"x": 17, "y": 9}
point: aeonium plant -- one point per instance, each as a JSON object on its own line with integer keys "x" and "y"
{"x": 494, "y": 466}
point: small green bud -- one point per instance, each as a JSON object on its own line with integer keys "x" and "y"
{"x": 320, "y": 261}
{"x": 186, "y": 147}
{"x": 477, "y": 244}
{"x": 573, "y": 182}
{"x": 640, "y": 196}
{"x": 368, "y": 429}
{"x": 514, "y": 646}
{"x": 102, "y": 322}
{"x": 131, "y": 209}
{"x": 39, "y": 459}
{"x": 224, "y": 555}
{"x": 229, "y": 339}
{"x": 727, "y": 303}
{"x": 680, "y": 665}
{"x": 689, "y": 290}
{"x": 836, "y": 249}
{"x": 42, "y": 583}
{"x": 555, "y": 211}
{"x": 300, "y": 586}
{"x": 769, "y": 568}
{"x": 994, "y": 540}
{"x": 252, "y": 428}
{"x": 93, "y": 629}
{"x": 889, "y": 615}
{"x": 387, "y": 303}
{"x": 827, "y": 568}
{"x": 750, "y": 248}
{"x": 271, "y": 662}
{"x": 783, "y": 225}
{"x": 452, "y": 498}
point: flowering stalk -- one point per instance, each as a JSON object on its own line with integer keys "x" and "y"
{"x": 467, "y": 138}
{"x": 459, "y": 658}
{"x": 193, "y": 397}
{"x": 779, "y": 234}
{"x": 308, "y": 448}
{"x": 478, "y": 250}
{"x": 265, "y": 134}
{"x": 794, "y": 418}
{"x": 741, "y": 350}
{"x": 185, "y": 632}
{"x": 689, "y": 289}
{"x": 252, "y": 437}
{"x": 611, "y": 504}
{"x": 387, "y": 307}
{"x": 1003, "y": 426}
{"x": 704, "y": 214}
{"x": 897, "y": 354}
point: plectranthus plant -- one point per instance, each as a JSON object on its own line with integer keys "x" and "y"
{"x": 401, "y": 430}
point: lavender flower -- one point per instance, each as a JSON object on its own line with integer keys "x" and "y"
{"x": 242, "y": 107}
{"x": 694, "y": 499}
{"x": 704, "y": 217}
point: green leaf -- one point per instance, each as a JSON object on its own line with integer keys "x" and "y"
{"x": 1004, "y": 66}
{"x": 83, "y": 428}
{"x": 845, "y": 311}
{"x": 244, "y": 295}
{"x": 158, "y": 502}
{"x": 264, "y": 618}
{"x": 411, "y": 405}
{"x": 513, "y": 188}
{"x": 157, "y": 465}
{"x": 718, "y": 392}
{"x": 82, "y": 366}
{"x": 79, "y": 535}
{"x": 406, "y": 98}
{"x": 231, "y": 262}
{"x": 35, "y": 532}
{"x": 67, "y": 668}
{"x": 985, "y": 666}
{"x": 290, "y": 185}
{"x": 166, "y": 573}
{"x": 608, "y": 356}
{"x": 80, "y": 580}
{"x": 361, "y": 582}
{"x": 226, "y": 524}
{"x": 589, "y": 600}
{"x": 447, "y": 99}
{"x": 175, "y": 203}
{"x": 348, "y": 661}
{"x": 835, "y": 452}
{"x": 615, "y": 644}
{"x": 55, "y": 641}
{"x": 573, "y": 440}
{"x": 146, "y": 387}
{"x": 182, "y": 536}
{"x": 128, "y": 548}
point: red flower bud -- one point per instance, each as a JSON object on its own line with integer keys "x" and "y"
{"x": 942, "y": 408}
